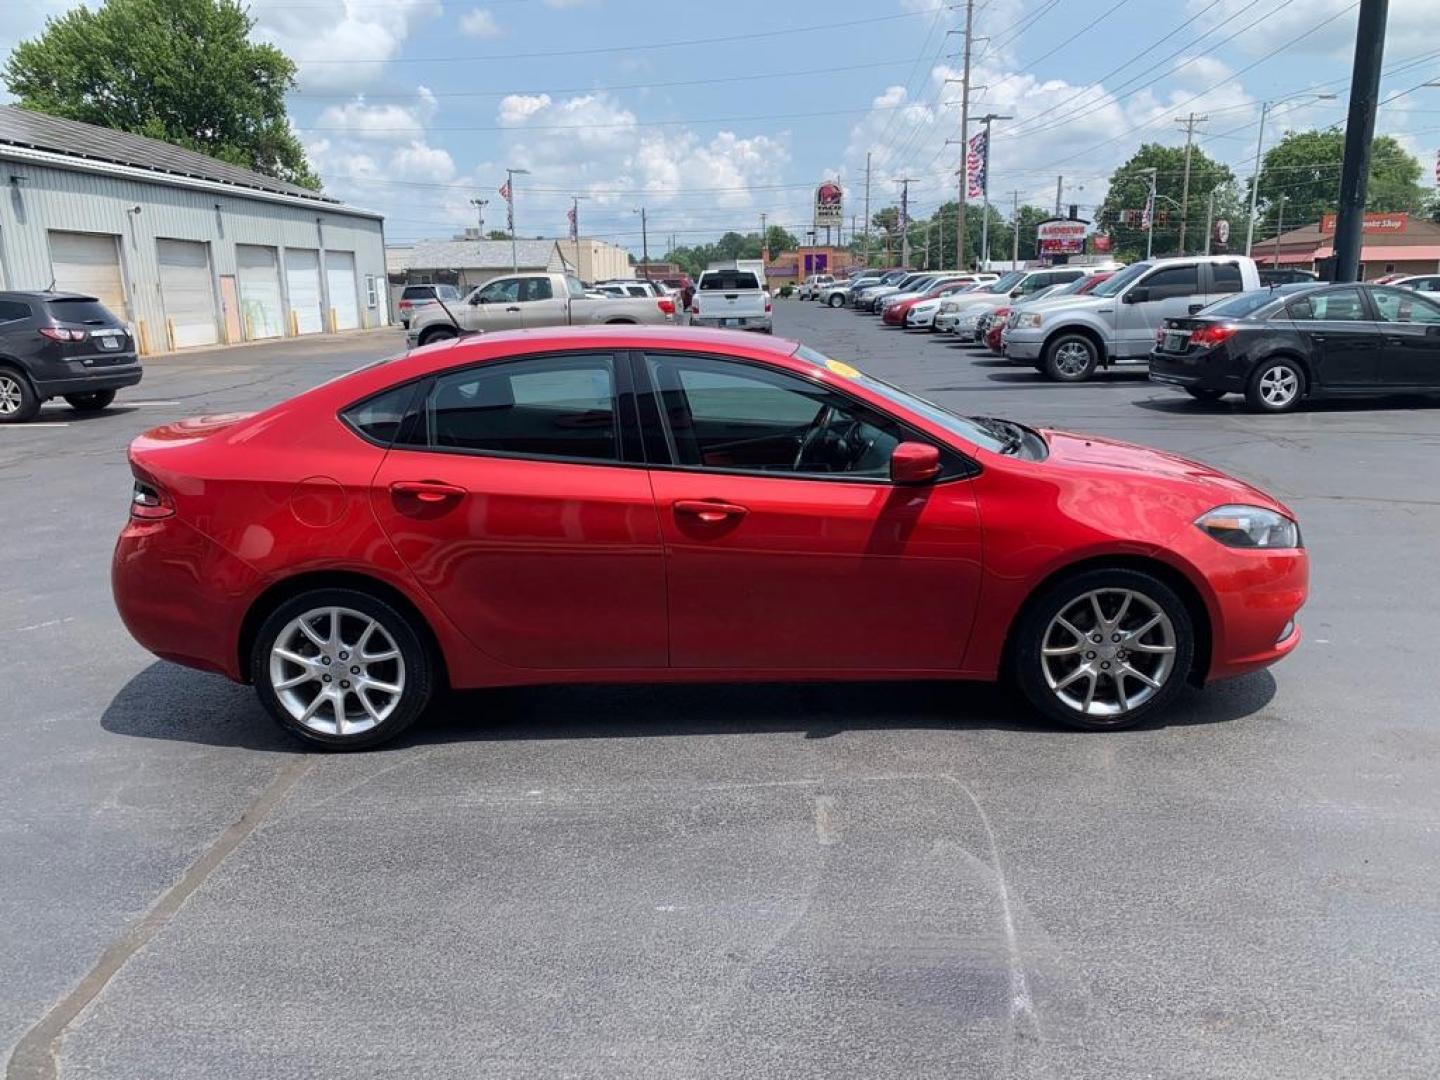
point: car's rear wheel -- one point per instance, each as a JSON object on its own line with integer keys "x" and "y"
{"x": 94, "y": 401}
{"x": 836, "y": 301}
{"x": 1276, "y": 386}
{"x": 1200, "y": 393}
{"x": 1104, "y": 649}
{"x": 1071, "y": 358}
{"x": 18, "y": 400}
{"x": 341, "y": 669}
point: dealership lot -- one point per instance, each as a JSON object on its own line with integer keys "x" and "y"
{"x": 748, "y": 881}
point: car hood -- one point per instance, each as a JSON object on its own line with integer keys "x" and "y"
{"x": 1069, "y": 303}
{"x": 1209, "y": 486}
{"x": 979, "y": 300}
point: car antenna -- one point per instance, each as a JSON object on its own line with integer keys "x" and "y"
{"x": 460, "y": 331}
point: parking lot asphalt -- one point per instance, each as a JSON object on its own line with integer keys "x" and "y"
{"x": 796, "y": 881}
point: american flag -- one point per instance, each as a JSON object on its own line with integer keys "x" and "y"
{"x": 509, "y": 205}
{"x": 1148, "y": 213}
{"x": 1437, "y": 168}
{"x": 977, "y": 161}
{"x": 571, "y": 216}
{"x": 505, "y": 191}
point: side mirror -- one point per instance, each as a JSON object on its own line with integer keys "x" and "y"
{"x": 478, "y": 299}
{"x": 914, "y": 463}
{"x": 1138, "y": 295}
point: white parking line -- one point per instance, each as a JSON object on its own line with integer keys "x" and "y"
{"x": 127, "y": 401}
{"x": 31, "y": 426}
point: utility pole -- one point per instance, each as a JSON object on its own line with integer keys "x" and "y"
{"x": 904, "y": 221}
{"x": 480, "y": 205}
{"x": 964, "y": 138}
{"x": 1359, "y": 130}
{"x": 764, "y": 247}
{"x": 1280, "y": 228}
{"x": 644, "y": 245}
{"x": 1059, "y": 193}
{"x": 1189, "y": 122}
{"x": 867, "y": 208}
{"x": 985, "y": 190}
{"x": 1015, "y": 233}
{"x": 575, "y": 226}
{"x": 509, "y": 194}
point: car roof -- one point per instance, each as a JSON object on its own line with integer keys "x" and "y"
{"x": 40, "y": 295}
{"x": 607, "y": 336}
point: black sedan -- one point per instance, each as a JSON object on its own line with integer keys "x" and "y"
{"x": 1280, "y": 346}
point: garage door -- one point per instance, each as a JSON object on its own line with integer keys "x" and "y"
{"x": 302, "y": 276}
{"x": 344, "y": 297}
{"x": 188, "y": 292}
{"x": 89, "y": 263}
{"x": 261, "y": 312}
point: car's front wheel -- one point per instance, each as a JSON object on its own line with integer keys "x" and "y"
{"x": 342, "y": 669}
{"x": 1071, "y": 358}
{"x": 1104, "y": 649}
{"x": 836, "y": 301}
{"x": 94, "y": 401}
{"x": 437, "y": 333}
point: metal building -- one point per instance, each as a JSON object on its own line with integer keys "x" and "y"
{"x": 190, "y": 250}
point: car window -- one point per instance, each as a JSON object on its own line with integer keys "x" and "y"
{"x": 1241, "y": 304}
{"x": 417, "y": 292}
{"x": 449, "y": 292}
{"x": 636, "y": 290}
{"x": 1171, "y": 281}
{"x": 725, "y": 415}
{"x": 1340, "y": 305}
{"x": 728, "y": 281}
{"x": 1401, "y": 306}
{"x": 1226, "y": 278}
{"x": 1121, "y": 280}
{"x": 505, "y": 290}
{"x": 87, "y": 310}
{"x": 1429, "y": 284}
{"x": 536, "y": 289}
{"x": 560, "y": 407}
{"x": 11, "y": 310}
{"x": 379, "y": 418}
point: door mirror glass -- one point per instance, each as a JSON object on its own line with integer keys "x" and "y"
{"x": 1138, "y": 295}
{"x": 914, "y": 463}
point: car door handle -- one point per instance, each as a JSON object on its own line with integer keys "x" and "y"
{"x": 710, "y": 511}
{"x": 427, "y": 491}
{"x": 512, "y": 309}
{"x": 1317, "y": 337}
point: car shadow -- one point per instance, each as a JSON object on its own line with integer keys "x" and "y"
{"x": 165, "y": 701}
{"x": 1100, "y": 378}
{"x": 60, "y": 412}
{"x": 1184, "y": 404}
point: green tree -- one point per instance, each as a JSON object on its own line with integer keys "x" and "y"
{"x": 497, "y": 234}
{"x": 1304, "y": 167}
{"x": 778, "y": 239}
{"x": 183, "y": 71}
{"x": 1129, "y": 187}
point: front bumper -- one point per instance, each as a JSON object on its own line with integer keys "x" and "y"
{"x": 85, "y": 376}
{"x": 1023, "y": 344}
{"x": 919, "y": 320}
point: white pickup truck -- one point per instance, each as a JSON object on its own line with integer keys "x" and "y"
{"x": 525, "y": 301}
{"x": 731, "y": 298}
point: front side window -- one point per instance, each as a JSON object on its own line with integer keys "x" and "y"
{"x": 1338, "y": 305}
{"x": 505, "y": 290}
{"x": 1172, "y": 281}
{"x": 548, "y": 407}
{"x": 1401, "y": 306}
{"x": 1227, "y": 278}
{"x": 720, "y": 414}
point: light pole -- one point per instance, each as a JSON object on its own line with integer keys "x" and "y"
{"x": 575, "y": 226}
{"x": 480, "y": 205}
{"x": 1265, "y": 108}
{"x": 1279, "y": 228}
{"x": 644, "y": 244}
{"x": 510, "y": 175}
{"x": 1150, "y": 213}
{"x": 985, "y": 190}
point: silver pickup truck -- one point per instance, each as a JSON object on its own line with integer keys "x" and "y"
{"x": 523, "y": 301}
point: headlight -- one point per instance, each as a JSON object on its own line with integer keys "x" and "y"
{"x": 969, "y": 320}
{"x": 948, "y": 306}
{"x": 1031, "y": 320}
{"x": 1250, "y": 527}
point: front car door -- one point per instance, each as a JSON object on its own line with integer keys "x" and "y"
{"x": 496, "y": 305}
{"x": 516, "y": 496}
{"x": 788, "y": 548}
{"x": 1166, "y": 292}
{"x": 1410, "y": 338}
{"x": 1344, "y": 342}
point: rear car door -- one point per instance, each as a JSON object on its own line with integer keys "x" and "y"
{"x": 1344, "y": 342}
{"x": 539, "y": 306}
{"x": 1410, "y": 338}
{"x": 517, "y": 496}
{"x": 1221, "y": 279}
{"x": 788, "y": 548}
{"x": 1164, "y": 293}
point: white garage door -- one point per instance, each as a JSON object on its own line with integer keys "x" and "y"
{"x": 89, "y": 263}
{"x": 302, "y": 276}
{"x": 344, "y": 297}
{"x": 261, "y": 312}
{"x": 188, "y": 292}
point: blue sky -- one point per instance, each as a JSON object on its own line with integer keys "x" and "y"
{"x": 414, "y": 107}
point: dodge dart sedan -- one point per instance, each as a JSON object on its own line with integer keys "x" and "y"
{"x": 646, "y": 504}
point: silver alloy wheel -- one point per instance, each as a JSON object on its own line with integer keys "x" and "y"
{"x": 12, "y": 395}
{"x": 1072, "y": 358}
{"x": 1108, "y": 652}
{"x": 1278, "y": 386}
{"x": 337, "y": 671}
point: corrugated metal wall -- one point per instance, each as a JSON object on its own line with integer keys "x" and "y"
{"x": 47, "y": 199}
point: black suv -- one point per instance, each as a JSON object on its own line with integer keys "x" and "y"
{"x": 66, "y": 345}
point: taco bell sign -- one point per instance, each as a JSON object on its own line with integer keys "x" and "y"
{"x": 829, "y": 205}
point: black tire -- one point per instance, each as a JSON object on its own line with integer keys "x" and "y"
{"x": 416, "y": 677}
{"x": 1028, "y": 666}
{"x": 1200, "y": 393}
{"x": 836, "y": 301}
{"x": 1062, "y": 354}
{"x": 18, "y": 400}
{"x": 1261, "y": 392}
{"x": 437, "y": 333}
{"x": 94, "y": 401}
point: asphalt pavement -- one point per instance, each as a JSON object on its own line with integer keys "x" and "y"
{"x": 767, "y": 881}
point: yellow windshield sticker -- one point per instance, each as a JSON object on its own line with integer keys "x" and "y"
{"x": 844, "y": 369}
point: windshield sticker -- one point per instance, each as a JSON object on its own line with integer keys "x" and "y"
{"x": 840, "y": 368}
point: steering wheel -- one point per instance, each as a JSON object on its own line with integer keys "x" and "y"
{"x": 817, "y": 428}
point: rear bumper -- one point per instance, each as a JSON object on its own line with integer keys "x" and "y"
{"x": 76, "y": 377}
{"x": 1204, "y": 370}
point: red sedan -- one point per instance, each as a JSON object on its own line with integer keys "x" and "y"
{"x": 638, "y": 504}
{"x": 894, "y": 315}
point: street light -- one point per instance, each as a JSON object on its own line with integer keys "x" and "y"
{"x": 510, "y": 175}
{"x": 1265, "y": 107}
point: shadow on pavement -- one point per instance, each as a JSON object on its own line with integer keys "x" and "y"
{"x": 1184, "y": 404}
{"x": 169, "y": 702}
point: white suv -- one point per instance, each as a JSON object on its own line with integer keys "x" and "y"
{"x": 811, "y": 286}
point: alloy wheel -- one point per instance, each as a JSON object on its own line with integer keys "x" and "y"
{"x": 12, "y": 395}
{"x": 1072, "y": 358}
{"x": 1108, "y": 652}
{"x": 1278, "y": 386}
{"x": 337, "y": 671}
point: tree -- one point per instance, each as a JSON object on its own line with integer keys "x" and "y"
{"x": 777, "y": 239}
{"x": 1304, "y": 166}
{"x": 1129, "y": 188}
{"x": 497, "y": 234}
{"x": 183, "y": 71}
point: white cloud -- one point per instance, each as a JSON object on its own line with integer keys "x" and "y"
{"x": 381, "y": 123}
{"x": 337, "y": 44}
{"x": 418, "y": 161}
{"x": 480, "y": 23}
{"x": 1409, "y": 22}
{"x": 517, "y": 108}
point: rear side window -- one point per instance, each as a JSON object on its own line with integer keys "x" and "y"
{"x": 1226, "y": 277}
{"x": 1341, "y": 305}
{"x": 90, "y": 312}
{"x": 12, "y": 311}
{"x": 379, "y": 418}
{"x": 729, "y": 281}
{"x": 536, "y": 289}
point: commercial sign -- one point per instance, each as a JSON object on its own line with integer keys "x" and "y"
{"x": 1061, "y": 236}
{"x": 829, "y": 205}
{"x": 1374, "y": 223}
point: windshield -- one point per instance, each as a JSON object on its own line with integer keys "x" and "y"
{"x": 966, "y": 429}
{"x": 1120, "y": 280}
{"x": 1005, "y": 283}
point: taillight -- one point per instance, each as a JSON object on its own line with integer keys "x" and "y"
{"x": 149, "y": 501}
{"x": 1211, "y": 334}
{"x": 667, "y": 306}
{"x": 59, "y": 333}
{"x": 695, "y": 307}
{"x": 767, "y": 305}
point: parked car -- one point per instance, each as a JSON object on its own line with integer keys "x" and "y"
{"x": 1284, "y": 275}
{"x": 837, "y": 294}
{"x": 490, "y": 515}
{"x": 897, "y": 308}
{"x": 1279, "y": 347}
{"x": 811, "y": 286}
{"x": 731, "y": 298}
{"x": 61, "y": 344}
{"x": 994, "y": 318}
{"x": 959, "y": 314}
{"x": 684, "y": 288}
{"x": 873, "y": 298}
{"x": 915, "y": 290}
{"x": 1018, "y": 310}
{"x": 1071, "y": 338}
{"x": 533, "y": 300}
{"x": 1426, "y": 283}
{"x": 923, "y": 314}
{"x": 630, "y": 288}
{"x": 858, "y": 292}
{"x": 415, "y": 296}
